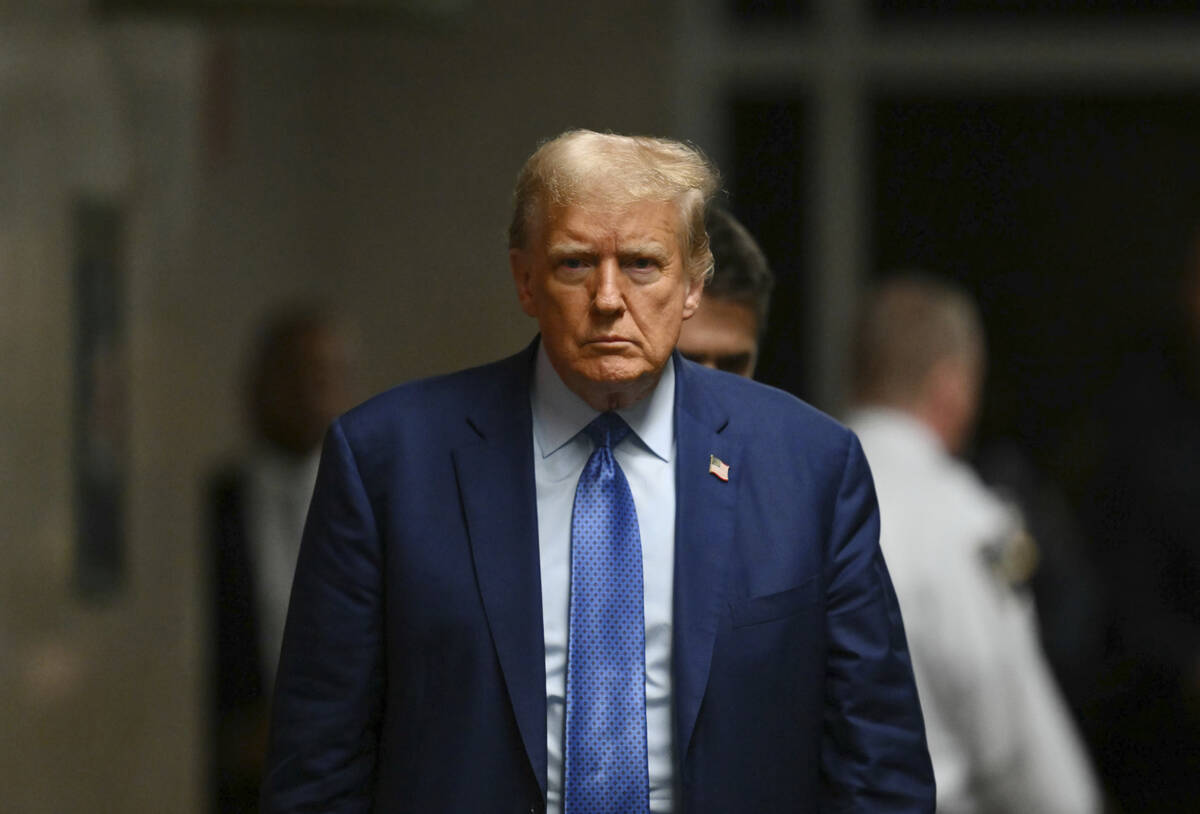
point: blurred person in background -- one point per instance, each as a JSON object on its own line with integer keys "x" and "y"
{"x": 1144, "y": 512}
{"x": 1000, "y": 735}
{"x": 299, "y": 379}
{"x": 727, "y": 327}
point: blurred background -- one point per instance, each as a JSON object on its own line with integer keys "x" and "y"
{"x": 172, "y": 172}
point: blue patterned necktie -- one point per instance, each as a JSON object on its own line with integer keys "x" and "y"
{"x": 605, "y": 755}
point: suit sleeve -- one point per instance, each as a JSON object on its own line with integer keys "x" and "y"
{"x": 328, "y": 693}
{"x": 873, "y": 752}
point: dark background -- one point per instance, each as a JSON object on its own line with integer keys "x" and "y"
{"x": 1068, "y": 218}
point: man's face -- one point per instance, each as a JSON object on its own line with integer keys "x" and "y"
{"x": 722, "y": 334}
{"x": 609, "y": 290}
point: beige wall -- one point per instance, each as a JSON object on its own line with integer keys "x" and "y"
{"x": 368, "y": 168}
{"x": 376, "y": 168}
{"x": 98, "y": 710}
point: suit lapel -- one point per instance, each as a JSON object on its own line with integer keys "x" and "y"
{"x": 496, "y": 485}
{"x": 704, "y": 528}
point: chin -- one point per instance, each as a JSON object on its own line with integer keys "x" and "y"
{"x": 615, "y": 370}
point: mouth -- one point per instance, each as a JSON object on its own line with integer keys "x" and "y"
{"x": 608, "y": 341}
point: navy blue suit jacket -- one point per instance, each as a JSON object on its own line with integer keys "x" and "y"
{"x": 413, "y": 675}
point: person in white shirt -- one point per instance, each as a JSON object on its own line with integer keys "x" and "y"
{"x": 1000, "y": 736}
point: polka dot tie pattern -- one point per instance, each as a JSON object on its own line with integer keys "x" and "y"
{"x": 605, "y": 755}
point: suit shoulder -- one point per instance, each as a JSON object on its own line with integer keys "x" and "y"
{"x": 434, "y": 404}
{"x": 761, "y": 408}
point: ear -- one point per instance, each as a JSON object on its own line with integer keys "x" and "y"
{"x": 952, "y": 400}
{"x": 521, "y": 265}
{"x": 691, "y": 299}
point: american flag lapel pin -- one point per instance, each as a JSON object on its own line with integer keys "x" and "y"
{"x": 718, "y": 467}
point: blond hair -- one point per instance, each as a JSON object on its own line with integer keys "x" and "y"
{"x": 583, "y": 166}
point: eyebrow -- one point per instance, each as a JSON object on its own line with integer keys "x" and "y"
{"x": 569, "y": 247}
{"x": 650, "y": 248}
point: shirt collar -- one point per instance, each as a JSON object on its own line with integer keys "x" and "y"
{"x": 902, "y": 426}
{"x": 559, "y": 414}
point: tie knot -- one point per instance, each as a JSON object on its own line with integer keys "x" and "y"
{"x": 607, "y": 430}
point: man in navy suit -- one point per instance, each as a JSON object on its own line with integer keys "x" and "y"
{"x": 428, "y": 662}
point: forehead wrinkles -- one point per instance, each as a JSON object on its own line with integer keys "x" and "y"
{"x": 607, "y": 178}
{"x": 621, "y": 226}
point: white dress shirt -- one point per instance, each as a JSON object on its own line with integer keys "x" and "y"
{"x": 646, "y": 457}
{"x": 1000, "y": 736}
{"x": 280, "y": 488}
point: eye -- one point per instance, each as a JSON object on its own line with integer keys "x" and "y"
{"x": 643, "y": 264}
{"x": 734, "y": 363}
{"x": 573, "y": 267}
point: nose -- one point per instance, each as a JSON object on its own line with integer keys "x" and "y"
{"x": 608, "y": 297}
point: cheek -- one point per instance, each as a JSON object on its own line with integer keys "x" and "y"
{"x": 560, "y": 317}
{"x": 664, "y": 335}
{"x": 550, "y": 302}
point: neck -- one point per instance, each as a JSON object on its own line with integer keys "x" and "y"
{"x": 944, "y": 422}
